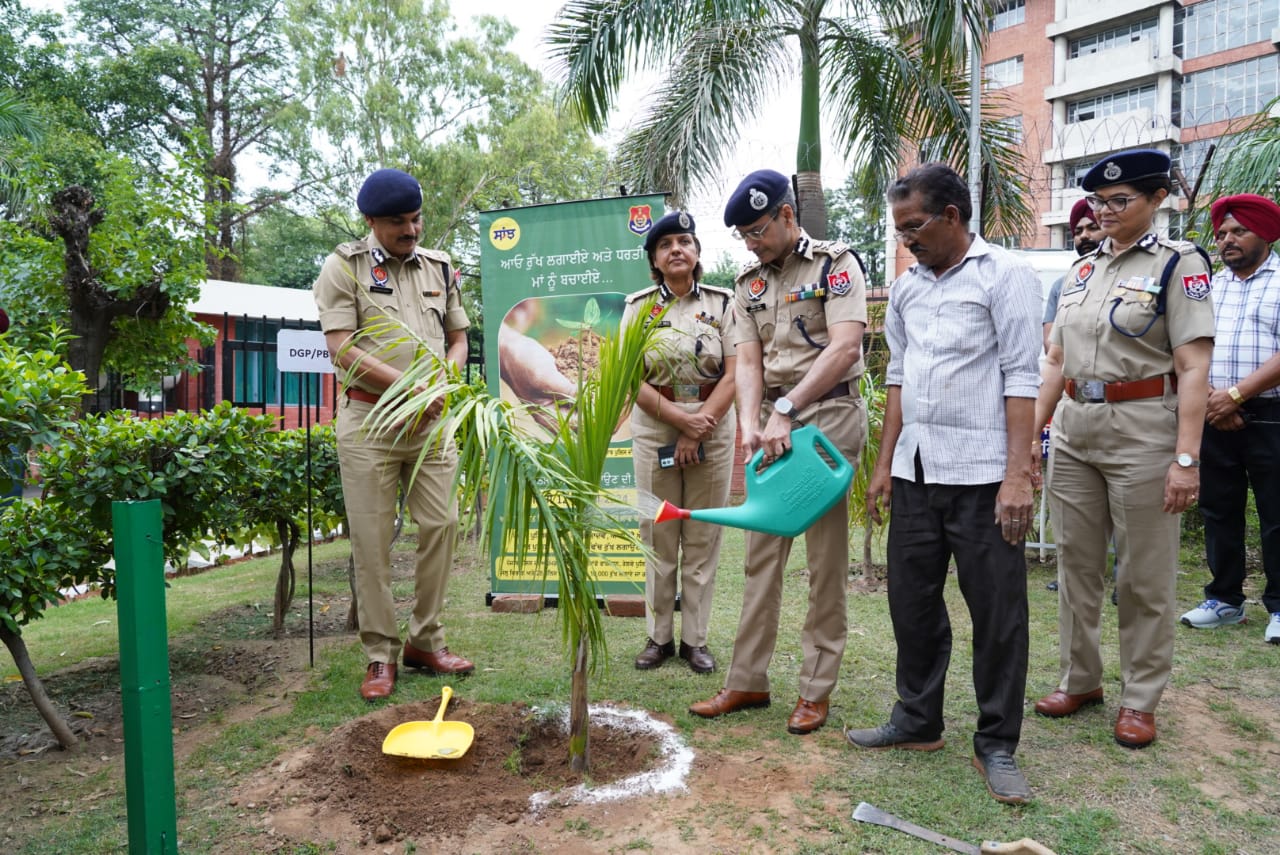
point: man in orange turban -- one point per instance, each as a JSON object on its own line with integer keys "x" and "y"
{"x": 1241, "y": 443}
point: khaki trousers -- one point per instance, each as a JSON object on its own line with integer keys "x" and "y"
{"x": 373, "y": 471}
{"x": 1108, "y": 463}
{"x": 691, "y": 546}
{"x": 822, "y": 639}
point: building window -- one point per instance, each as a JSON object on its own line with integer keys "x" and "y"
{"x": 255, "y": 380}
{"x": 1112, "y": 104}
{"x": 1214, "y": 25}
{"x": 1011, "y": 128}
{"x": 1006, "y": 72}
{"x": 1007, "y": 13}
{"x": 1229, "y": 91}
{"x": 1076, "y": 171}
{"x": 1113, "y": 38}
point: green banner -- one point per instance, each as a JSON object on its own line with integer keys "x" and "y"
{"x": 543, "y": 270}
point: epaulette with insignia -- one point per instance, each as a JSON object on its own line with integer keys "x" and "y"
{"x": 433, "y": 254}
{"x": 639, "y": 295}
{"x": 352, "y": 248}
{"x": 833, "y": 248}
{"x": 747, "y": 270}
{"x": 716, "y": 289}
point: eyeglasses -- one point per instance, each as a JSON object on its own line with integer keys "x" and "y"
{"x": 911, "y": 233}
{"x": 756, "y": 233}
{"x": 1115, "y": 204}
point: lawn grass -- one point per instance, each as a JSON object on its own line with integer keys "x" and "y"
{"x": 1092, "y": 797}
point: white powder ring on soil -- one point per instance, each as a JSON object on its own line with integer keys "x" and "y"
{"x": 669, "y": 776}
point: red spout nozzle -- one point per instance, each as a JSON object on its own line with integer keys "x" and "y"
{"x": 669, "y": 512}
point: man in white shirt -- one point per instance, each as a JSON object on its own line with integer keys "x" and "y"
{"x": 963, "y": 327}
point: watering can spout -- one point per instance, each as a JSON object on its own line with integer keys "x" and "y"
{"x": 788, "y": 496}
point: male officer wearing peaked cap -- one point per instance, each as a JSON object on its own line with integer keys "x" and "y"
{"x": 363, "y": 284}
{"x": 800, "y": 311}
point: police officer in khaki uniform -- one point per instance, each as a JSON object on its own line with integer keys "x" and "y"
{"x": 800, "y": 313}
{"x": 683, "y": 433}
{"x": 383, "y": 278}
{"x": 1130, "y": 348}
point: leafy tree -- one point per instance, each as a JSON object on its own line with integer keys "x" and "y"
{"x": 1246, "y": 161}
{"x": 859, "y": 222}
{"x": 204, "y": 81}
{"x": 18, "y": 120}
{"x": 881, "y": 72}
{"x": 724, "y": 273}
{"x": 285, "y": 249}
{"x": 115, "y": 272}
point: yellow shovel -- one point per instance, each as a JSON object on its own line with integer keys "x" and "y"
{"x": 430, "y": 739}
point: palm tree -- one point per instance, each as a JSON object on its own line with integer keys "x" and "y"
{"x": 1247, "y": 161}
{"x": 18, "y": 120}
{"x": 545, "y": 496}
{"x": 882, "y": 72}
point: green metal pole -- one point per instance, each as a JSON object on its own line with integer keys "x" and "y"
{"x": 144, "y": 678}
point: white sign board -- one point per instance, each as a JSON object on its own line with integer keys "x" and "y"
{"x": 304, "y": 351}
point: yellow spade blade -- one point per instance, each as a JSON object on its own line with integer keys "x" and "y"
{"x": 430, "y": 739}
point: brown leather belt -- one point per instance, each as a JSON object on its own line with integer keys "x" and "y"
{"x": 683, "y": 393}
{"x": 1098, "y": 392}
{"x": 362, "y": 396}
{"x": 839, "y": 390}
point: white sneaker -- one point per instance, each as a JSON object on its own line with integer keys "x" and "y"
{"x": 1213, "y": 613}
{"x": 1272, "y": 635}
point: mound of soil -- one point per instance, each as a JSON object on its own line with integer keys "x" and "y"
{"x": 344, "y": 788}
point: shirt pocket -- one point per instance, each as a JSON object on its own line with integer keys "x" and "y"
{"x": 809, "y": 324}
{"x": 1131, "y": 311}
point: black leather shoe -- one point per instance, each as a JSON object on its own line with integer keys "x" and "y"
{"x": 888, "y": 736}
{"x": 654, "y": 654}
{"x": 699, "y": 658}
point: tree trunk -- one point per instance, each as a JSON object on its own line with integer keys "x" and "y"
{"x": 353, "y": 614}
{"x": 813, "y": 204}
{"x": 18, "y": 650}
{"x": 286, "y": 582}
{"x": 579, "y": 718}
{"x": 866, "y": 551}
{"x": 93, "y": 307}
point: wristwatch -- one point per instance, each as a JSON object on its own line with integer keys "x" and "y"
{"x": 784, "y": 406}
{"x": 1186, "y": 461}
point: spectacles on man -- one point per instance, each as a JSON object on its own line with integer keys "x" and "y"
{"x": 1114, "y": 204}
{"x": 758, "y": 232}
{"x": 910, "y": 234}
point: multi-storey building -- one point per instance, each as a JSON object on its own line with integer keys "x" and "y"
{"x": 1081, "y": 78}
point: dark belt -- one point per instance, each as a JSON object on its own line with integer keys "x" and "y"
{"x": 1098, "y": 392}
{"x": 683, "y": 393}
{"x": 362, "y": 396}
{"x": 839, "y": 390}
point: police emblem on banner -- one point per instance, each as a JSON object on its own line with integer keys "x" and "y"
{"x": 839, "y": 283}
{"x": 756, "y": 289}
{"x": 1196, "y": 287}
{"x": 641, "y": 219}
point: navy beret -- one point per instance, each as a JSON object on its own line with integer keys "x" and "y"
{"x": 758, "y": 192}
{"x": 389, "y": 192}
{"x": 1126, "y": 167}
{"x": 673, "y": 223}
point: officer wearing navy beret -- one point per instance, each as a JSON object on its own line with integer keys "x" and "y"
{"x": 362, "y": 285}
{"x": 683, "y": 430}
{"x": 800, "y": 311}
{"x": 1126, "y": 382}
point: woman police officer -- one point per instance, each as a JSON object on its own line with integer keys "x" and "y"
{"x": 683, "y": 431}
{"x": 1130, "y": 348}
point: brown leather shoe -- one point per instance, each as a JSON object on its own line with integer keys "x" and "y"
{"x": 807, "y": 717}
{"x": 1058, "y": 703}
{"x": 699, "y": 658}
{"x": 437, "y": 661}
{"x": 654, "y": 654}
{"x": 727, "y": 701}
{"x": 379, "y": 680}
{"x": 1135, "y": 729}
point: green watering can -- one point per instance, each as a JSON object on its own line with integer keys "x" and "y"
{"x": 787, "y": 497}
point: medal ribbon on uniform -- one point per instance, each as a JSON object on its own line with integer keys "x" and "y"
{"x": 812, "y": 291}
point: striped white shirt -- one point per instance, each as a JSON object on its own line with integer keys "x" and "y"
{"x": 959, "y": 345}
{"x": 1246, "y": 313}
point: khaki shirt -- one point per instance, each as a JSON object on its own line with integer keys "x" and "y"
{"x": 793, "y": 333}
{"x": 362, "y": 285}
{"x": 693, "y": 338}
{"x": 1105, "y": 294}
